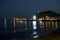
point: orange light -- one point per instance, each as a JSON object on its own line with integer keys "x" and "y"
{"x": 47, "y": 18}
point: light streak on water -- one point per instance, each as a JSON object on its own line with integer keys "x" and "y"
{"x": 5, "y": 22}
{"x": 14, "y": 22}
{"x": 34, "y": 23}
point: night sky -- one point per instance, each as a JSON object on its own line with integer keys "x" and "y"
{"x": 27, "y": 8}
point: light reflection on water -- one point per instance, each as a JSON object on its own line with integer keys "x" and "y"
{"x": 18, "y": 27}
{"x": 35, "y": 34}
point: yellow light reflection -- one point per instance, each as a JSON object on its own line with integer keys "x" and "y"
{"x": 56, "y": 24}
{"x": 49, "y": 23}
{"x": 41, "y": 22}
{"x": 52, "y": 24}
{"x": 46, "y": 24}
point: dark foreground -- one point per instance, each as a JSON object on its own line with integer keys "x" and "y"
{"x": 53, "y": 36}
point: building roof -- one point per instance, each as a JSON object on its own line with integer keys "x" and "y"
{"x": 48, "y": 13}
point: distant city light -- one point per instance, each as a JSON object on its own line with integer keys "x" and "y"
{"x": 21, "y": 21}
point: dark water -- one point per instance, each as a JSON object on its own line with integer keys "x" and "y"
{"x": 24, "y": 35}
{"x": 22, "y": 32}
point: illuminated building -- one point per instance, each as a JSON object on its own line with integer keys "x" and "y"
{"x": 50, "y": 19}
{"x": 41, "y": 22}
